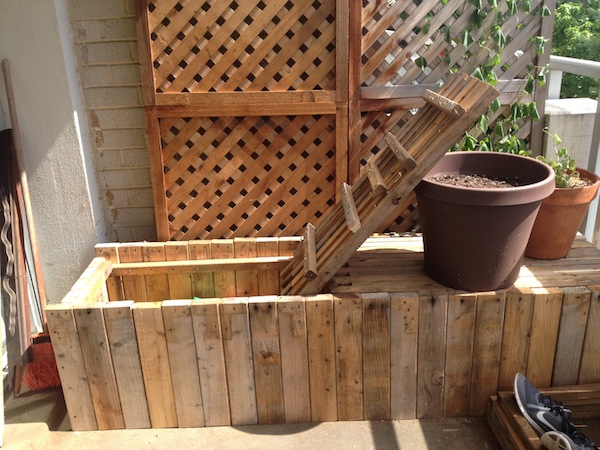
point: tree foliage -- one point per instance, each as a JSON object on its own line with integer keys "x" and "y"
{"x": 577, "y": 35}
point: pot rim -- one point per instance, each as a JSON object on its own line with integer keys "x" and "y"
{"x": 541, "y": 185}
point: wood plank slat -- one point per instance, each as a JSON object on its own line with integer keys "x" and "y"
{"x": 404, "y": 318}
{"x": 310, "y": 252}
{"x": 399, "y": 151}
{"x": 120, "y": 330}
{"x": 266, "y": 355}
{"x": 180, "y": 284}
{"x": 348, "y": 313}
{"x": 321, "y": 358}
{"x": 571, "y": 334}
{"x": 516, "y": 336}
{"x": 445, "y": 104}
{"x": 114, "y": 284}
{"x": 459, "y": 354}
{"x": 268, "y": 279}
{"x": 95, "y": 350}
{"x": 206, "y": 320}
{"x": 433, "y": 309}
{"x": 544, "y": 335}
{"x": 486, "y": 350}
{"x": 246, "y": 280}
{"x": 376, "y": 356}
{"x": 293, "y": 340}
{"x": 350, "y": 212}
{"x": 375, "y": 178}
{"x": 185, "y": 379}
{"x": 589, "y": 371}
{"x": 154, "y": 358}
{"x": 237, "y": 348}
{"x": 71, "y": 368}
{"x": 202, "y": 282}
{"x": 157, "y": 285}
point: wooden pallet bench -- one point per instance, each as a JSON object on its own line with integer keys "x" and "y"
{"x": 205, "y": 343}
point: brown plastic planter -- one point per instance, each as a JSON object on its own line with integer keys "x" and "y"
{"x": 475, "y": 239}
{"x": 559, "y": 218}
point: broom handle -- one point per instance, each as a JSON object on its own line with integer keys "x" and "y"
{"x": 24, "y": 187}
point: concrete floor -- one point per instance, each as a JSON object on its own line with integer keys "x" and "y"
{"x": 39, "y": 421}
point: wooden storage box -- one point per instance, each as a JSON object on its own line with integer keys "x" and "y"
{"x": 514, "y": 432}
{"x": 135, "y": 349}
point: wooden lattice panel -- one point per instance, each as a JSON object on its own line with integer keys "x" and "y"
{"x": 225, "y": 45}
{"x": 419, "y": 43}
{"x": 251, "y": 176}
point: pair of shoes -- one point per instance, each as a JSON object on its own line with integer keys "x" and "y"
{"x": 555, "y": 440}
{"x": 549, "y": 416}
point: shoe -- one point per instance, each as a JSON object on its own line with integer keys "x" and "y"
{"x": 555, "y": 440}
{"x": 542, "y": 413}
{"x": 548, "y": 416}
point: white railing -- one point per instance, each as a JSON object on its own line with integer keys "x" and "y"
{"x": 558, "y": 65}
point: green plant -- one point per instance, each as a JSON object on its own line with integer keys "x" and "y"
{"x": 564, "y": 165}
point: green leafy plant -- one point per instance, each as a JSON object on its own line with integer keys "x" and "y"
{"x": 563, "y": 165}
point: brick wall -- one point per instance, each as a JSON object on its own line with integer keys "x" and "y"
{"x": 106, "y": 49}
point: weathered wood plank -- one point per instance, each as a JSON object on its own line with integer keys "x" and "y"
{"x": 134, "y": 286}
{"x": 462, "y": 310}
{"x": 404, "y": 331}
{"x": 486, "y": 349}
{"x": 433, "y": 310}
{"x": 154, "y": 357}
{"x": 157, "y": 286}
{"x": 544, "y": 334}
{"x": 181, "y": 345}
{"x": 120, "y": 330}
{"x": 589, "y": 371}
{"x": 348, "y": 312}
{"x": 224, "y": 279}
{"x": 206, "y": 320}
{"x": 202, "y": 282}
{"x": 71, "y": 368}
{"x": 571, "y": 334}
{"x": 246, "y": 281}
{"x": 180, "y": 284}
{"x": 238, "y": 354}
{"x": 376, "y": 356}
{"x": 114, "y": 284}
{"x": 321, "y": 358}
{"x": 267, "y": 360}
{"x": 310, "y": 252}
{"x": 268, "y": 279}
{"x": 95, "y": 350}
{"x": 516, "y": 336}
{"x": 294, "y": 359}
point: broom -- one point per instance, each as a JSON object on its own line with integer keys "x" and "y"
{"x": 41, "y": 372}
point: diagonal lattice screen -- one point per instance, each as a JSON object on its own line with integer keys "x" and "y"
{"x": 223, "y": 45}
{"x": 259, "y": 176}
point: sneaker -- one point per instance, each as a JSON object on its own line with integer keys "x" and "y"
{"x": 555, "y": 440}
{"x": 542, "y": 413}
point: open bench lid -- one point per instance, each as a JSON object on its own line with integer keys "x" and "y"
{"x": 388, "y": 178}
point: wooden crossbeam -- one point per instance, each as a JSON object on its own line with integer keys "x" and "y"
{"x": 375, "y": 178}
{"x": 208, "y": 265}
{"x": 443, "y": 103}
{"x": 310, "y": 252}
{"x": 352, "y": 217}
{"x": 407, "y": 161}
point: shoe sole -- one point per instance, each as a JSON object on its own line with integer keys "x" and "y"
{"x": 524, "y": 411}
{"x": 555, "y": 441}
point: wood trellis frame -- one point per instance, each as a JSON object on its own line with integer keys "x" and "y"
{"x": 259, "y": 111}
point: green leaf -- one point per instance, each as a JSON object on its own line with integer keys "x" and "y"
{"x": 546, "y": 11}
{"x": 483, "y": 123}
{"x": 499, "y": 129}
{"x": 499, "y": 37}
{"x": 530, "y": 86}
{"x": 421, "y": 63}
{"x": 470, "y": 142}
{"x": 477, "y": 74}
{"x": 495, "y": 106}
{"x": 467, "y": 39}
{"x": 533, "y": 112}
{"x": 512, "y": 7}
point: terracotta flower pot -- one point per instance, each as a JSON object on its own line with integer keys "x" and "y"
{"x": 475, "y": 238}
{"x": 559, "y": 218}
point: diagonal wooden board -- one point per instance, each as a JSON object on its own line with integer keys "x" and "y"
{"x": 426, "y": 137}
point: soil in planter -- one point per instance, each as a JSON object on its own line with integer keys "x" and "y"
{"x": 477, "y": 181}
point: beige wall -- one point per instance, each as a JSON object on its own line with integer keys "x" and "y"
{"x": 106, "y": 50}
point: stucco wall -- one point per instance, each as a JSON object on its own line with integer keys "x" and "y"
{"x": 55, "y": 154}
